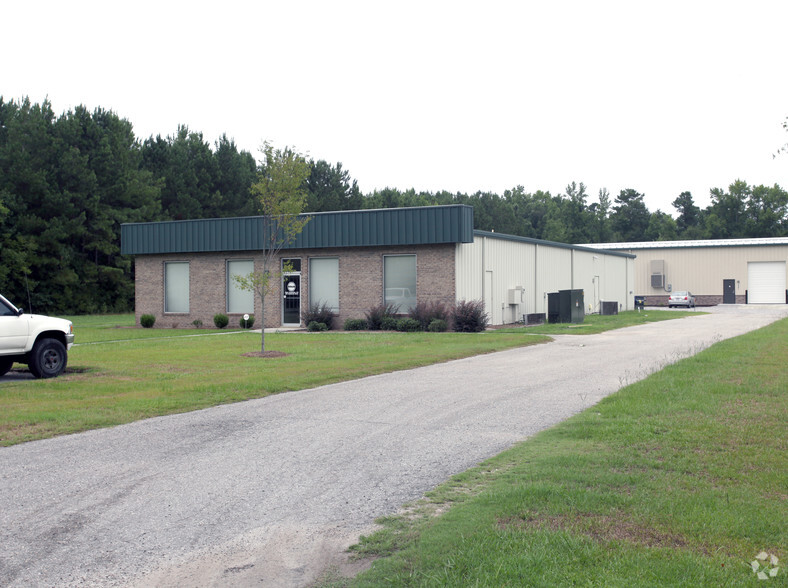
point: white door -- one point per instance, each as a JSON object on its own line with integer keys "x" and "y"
{"x": 13, "y": 330}
{"x": 766, "y": 282}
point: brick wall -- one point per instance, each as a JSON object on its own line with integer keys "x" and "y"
{"x": 700, "y": 300}
{"x": 360, "y": 282}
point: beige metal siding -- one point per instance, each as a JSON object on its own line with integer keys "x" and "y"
{"x": 553, "y": 273}
{"x": 469, "y": 270}
{"x": 587, "y": 273}
{"x": 617, "y": 281}
{"x": 701, "y": 270}
{"x": 511, "y": 264}
{"x": 490, "y": 267}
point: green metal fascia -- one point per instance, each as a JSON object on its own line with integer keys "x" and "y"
{"x": 356, "y": 228}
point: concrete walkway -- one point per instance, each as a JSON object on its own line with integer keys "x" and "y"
{"x": 268, "y": 492}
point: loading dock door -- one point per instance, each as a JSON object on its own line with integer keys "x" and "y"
{"x": 766, "y": 282}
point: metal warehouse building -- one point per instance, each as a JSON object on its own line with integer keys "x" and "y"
{"x": 721, "y": 271}
{"x": 354, "y": 260}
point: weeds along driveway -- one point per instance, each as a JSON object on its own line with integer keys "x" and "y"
{"x": 269, "y": 492}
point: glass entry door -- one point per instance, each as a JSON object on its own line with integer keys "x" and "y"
{"x": 291, "y": 305}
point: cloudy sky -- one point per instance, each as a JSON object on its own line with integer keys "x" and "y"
{"x": 661, "y": 97}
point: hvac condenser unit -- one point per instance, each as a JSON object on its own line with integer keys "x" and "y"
{"x": 608, "y": 307}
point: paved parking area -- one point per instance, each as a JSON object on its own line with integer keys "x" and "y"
{"x": 268, "y": 492}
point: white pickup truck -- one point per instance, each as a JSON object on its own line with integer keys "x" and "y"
{"x": 41, "y": 342}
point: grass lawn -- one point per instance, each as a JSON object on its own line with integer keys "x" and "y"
{"x": 678, "y": 480}
{"x": 121, "y": 327}
{"x": 595, "y": 323}
{"x": 118, "y": 375}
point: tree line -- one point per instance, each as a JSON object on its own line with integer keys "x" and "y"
{"x": 67, "y": 183}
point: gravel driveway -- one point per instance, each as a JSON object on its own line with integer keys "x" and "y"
{"x": 269, "y": 492}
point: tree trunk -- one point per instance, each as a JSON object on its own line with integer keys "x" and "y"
{"x": 262, "y": 323}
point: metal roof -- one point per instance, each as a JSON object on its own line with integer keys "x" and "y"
{"x": 759, "y": 242}
{"x": 353, "y": 228}
{"x": 548, "y": 243}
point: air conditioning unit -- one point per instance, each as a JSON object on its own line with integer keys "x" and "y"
{"x": 608, "y": 307}
{"x": 657, "y": 273}
{"x": 515, "y": 295}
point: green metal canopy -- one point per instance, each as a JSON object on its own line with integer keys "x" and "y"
{"x": 355, "y": 228}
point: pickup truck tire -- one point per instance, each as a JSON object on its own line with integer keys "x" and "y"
{"x": 5, "y": 365}
{"x": 48, "y": 358}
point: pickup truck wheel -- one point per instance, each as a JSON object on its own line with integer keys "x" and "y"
{"x": 5, "y": 365}
{"x": 48, "y": 358}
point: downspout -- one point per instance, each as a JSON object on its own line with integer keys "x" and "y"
{"x": 536, "y": 273}
{"x": 484, "y": 266}
{"x": 572, "y": 269}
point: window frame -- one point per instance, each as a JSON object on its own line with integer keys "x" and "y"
{"x": 188, "y": 286}
{"x": 323, "y": 258}
{"x": 415, "y": 294}
{"x": 228, "y": 284}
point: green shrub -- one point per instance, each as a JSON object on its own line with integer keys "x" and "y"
{"x": 197, "y": 323}
{"x": 247, "y": 324}
{"x": 438, "y": 326}
{"x": 389, "y": 323}
{"x": 376, "y": 314}
{"x": 426, "y": 312}
{"x": 355, "y": 324}
{"x": 147, "y": 321}
{"x": 469, "y": 316}
{"x": 408, "y": 325}
{"x": 320, "y": 313}
{"x": 220, "y": 320}
{"x": 316, "y": 326}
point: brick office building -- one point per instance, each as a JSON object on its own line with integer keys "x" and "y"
{"x": 354, "y": 260}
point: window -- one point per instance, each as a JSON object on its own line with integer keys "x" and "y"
{"x": 295, "y": 265}
{"x": 324, "y": 282}
{"x": 399, "y": 281}
{"x": 176, "y": 286}
{"x": 239, "y": 300}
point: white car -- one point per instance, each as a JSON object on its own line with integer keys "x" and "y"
{"x": 42, "y": 342}
{"x": 402, "y": 298}
{"x": 681, "y": 298}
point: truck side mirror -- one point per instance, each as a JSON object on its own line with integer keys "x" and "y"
{"x": 20, "y": 311}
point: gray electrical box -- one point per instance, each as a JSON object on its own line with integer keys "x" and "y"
{"x": 553, "y": 308}
{"x": 571, "y": 306}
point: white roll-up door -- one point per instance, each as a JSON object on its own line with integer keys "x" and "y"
{"x": 766, "y": 282}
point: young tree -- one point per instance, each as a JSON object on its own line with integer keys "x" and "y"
{"x": 281, "y": 195}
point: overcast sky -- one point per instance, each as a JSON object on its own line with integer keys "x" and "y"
{"x": 661, "y": 97}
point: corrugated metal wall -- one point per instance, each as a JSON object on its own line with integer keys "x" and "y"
{"x": 701, "y": 270}
{"x": 502, "y": 264}
{"x": 553, "y": 273}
